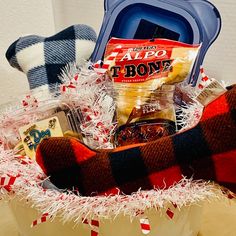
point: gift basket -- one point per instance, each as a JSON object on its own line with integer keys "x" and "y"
{"x": 124, "y": 144}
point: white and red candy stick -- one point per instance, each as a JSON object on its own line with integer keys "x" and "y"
{"x": 145, "y": 225}
{"x": 105, "y": 66}
{"x": 144, "y": 222}
{"x": 94, "y": 225}
{"x": 7, "y": 181}
{"x": 44, "y": 218}
{"x": 30, "y": 101}
{"x": 64, "y": 87}
{"x": 170, "y": 213}
{"x": 72, "y": 84}
{"x": 24, "y": 160}
{"x": 205, "y": 79}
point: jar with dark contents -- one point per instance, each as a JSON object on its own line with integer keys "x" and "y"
{"x": 144, "y": 115}
{"x": 142, "y": 132}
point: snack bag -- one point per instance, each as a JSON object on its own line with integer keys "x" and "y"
{"x": 144, "y": 72}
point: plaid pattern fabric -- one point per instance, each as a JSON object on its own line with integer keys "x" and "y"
{"x": 207, "y": 151}
{"x": 42, "y": 59}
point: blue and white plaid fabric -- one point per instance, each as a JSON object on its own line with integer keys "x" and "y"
{"x": 42, "y": 59}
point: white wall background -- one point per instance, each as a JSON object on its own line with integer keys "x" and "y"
{"x": 220, "y": 61}
{"x": 45, "y": 17}
{"x": 18, "y": 18}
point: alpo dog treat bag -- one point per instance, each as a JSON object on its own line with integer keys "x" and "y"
{"x": 144, "y": 73}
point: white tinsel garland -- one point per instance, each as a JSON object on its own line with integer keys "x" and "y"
{"x": 70, "y": 207}
{"x": 29, "y": 178}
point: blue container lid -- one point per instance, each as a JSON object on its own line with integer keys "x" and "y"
{"x": 188, "y": 21}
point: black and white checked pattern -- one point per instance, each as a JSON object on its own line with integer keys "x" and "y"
{"x": 42, "y": 59}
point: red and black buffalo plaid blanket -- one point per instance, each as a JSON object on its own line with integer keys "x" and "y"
{"x": 207, "y": 151}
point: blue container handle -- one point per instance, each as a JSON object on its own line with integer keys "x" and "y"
{"x": 196, "y": 21}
